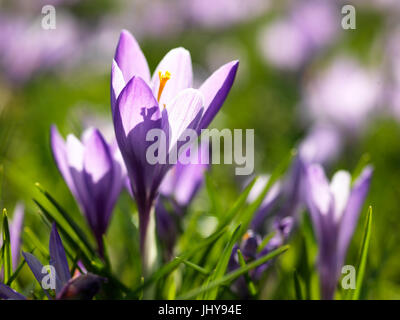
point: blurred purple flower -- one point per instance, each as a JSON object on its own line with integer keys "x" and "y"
{"x": 251, "y": 250}
{"x": 268, "y": 202}
{"x": 85, "y": 286}
{"x": 344, "y": 95}
{"x": 93, "y": 174}
{"x": 334, "y": 208}
{"x": 164, "y": 101}
{"x": 178, "y": 188}
{"x": 223, "y": 13}
{"x": 322, "y": 144}
{"x": 26, "y": 48}
{"x": 289, "y": 42}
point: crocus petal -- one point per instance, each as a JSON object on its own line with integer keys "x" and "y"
{"x": 268, "y": 202}
{"x": 190, "y": 181}
{"x": 130, "y": 58}
{"x": 136, "y": 104}
{"x": 9, "y": 294}
{"x": 179, "y": 64}
{"x": 215, "y": 90}
{"x": 184, "y": 112}
{"x": 117, "y": 84}
{"x": 15, "y": 233}
{"x": 135, "y": 114}
{"x": 99, "y": 178}
{"x": 352, "y": 211}
{"x": 36, "y": 268}
{"x": 319, "y": 191}
{"x": 340, "y": 189}
{"x": 58, "y": 259}
{"x": 59, "y": 151}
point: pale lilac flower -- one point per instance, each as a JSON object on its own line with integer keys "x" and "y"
{"x": 26, "y": 48}
{"x": 322, "y": 144}
{"x": 178, "y": 188}
{"x": 334, "y": 208}
{"x": 289, "y": 42}
{"x": 345, "y": 94}
{"x": 93, "y": 174}
{"x": 165, "y": 101}
{"x": 267, "y": 204}
{"x": 223, "y": 13}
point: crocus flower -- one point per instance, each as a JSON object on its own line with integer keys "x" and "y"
{"x": 334, "y": 208}
{"x": 84, "y": 286}
{"x": 345, "y": 94}
{"x": 93, "y": 174}
{"x": 179, "y": 187}
{"x": 250, "y": 249}
{"x": 268, "y": 202}
{"x": 166, "y": 102}
{"x": 288, "y": 43}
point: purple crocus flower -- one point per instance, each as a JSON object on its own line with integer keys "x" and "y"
{"x": 166, "y": 102}
{"x": 179, "y": 187}
{"x": 334, "y": 208}
{"x": 268, "y": 202}
{"x": 250, "y": 248}
{"x": 84, "y": 286}
{"x": 93, "y": 174}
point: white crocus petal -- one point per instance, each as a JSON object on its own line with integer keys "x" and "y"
{"x": 340, "y": 189}
{"x": 319, "y": 189}
{"x": 258, "y": 187}
{"x": 75, "y": 151}
{"x": 179, "y": 64}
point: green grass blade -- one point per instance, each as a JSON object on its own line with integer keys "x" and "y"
{"x": 195, "y": 267}
{"x": 234, "y": 274}
{"x": 297, "y": 286}
{"x": 7, "y": 259}
{"x": 250, "y": 283}
{"x": 16, "y": 273}
{"x": 363, "y": 255}
{"x": 222, "y": 264}
{"x": 172, "y": 265}
{"x": 362, "y": 163}
{"x": 78, "y": 231}
{"x": 31, "y": 238}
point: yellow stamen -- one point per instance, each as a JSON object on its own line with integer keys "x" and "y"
{"x": 163, "y": 80}
{"x": 246, "y": 236}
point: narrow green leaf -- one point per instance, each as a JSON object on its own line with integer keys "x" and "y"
{"x": 265, "y": 241}
{"x": 16, "y": 273}
{"x": 234, "y": 274}
{"x": 363, "y": 255}
{"x": 7, "y": 259}
{"x": 195, "y": 266}
{"x": 78, "y": 231}
{"x": 70, "y": 237}
{"x": 212, "y": 194}
{"x": 297, "y": 286}
{"x": 32, "y": 239}
{"x": 250, "y": 283}
{"x": 222, "y": 264}
{"x": 172, "y": 265}
{"x": 362, "y": 163}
